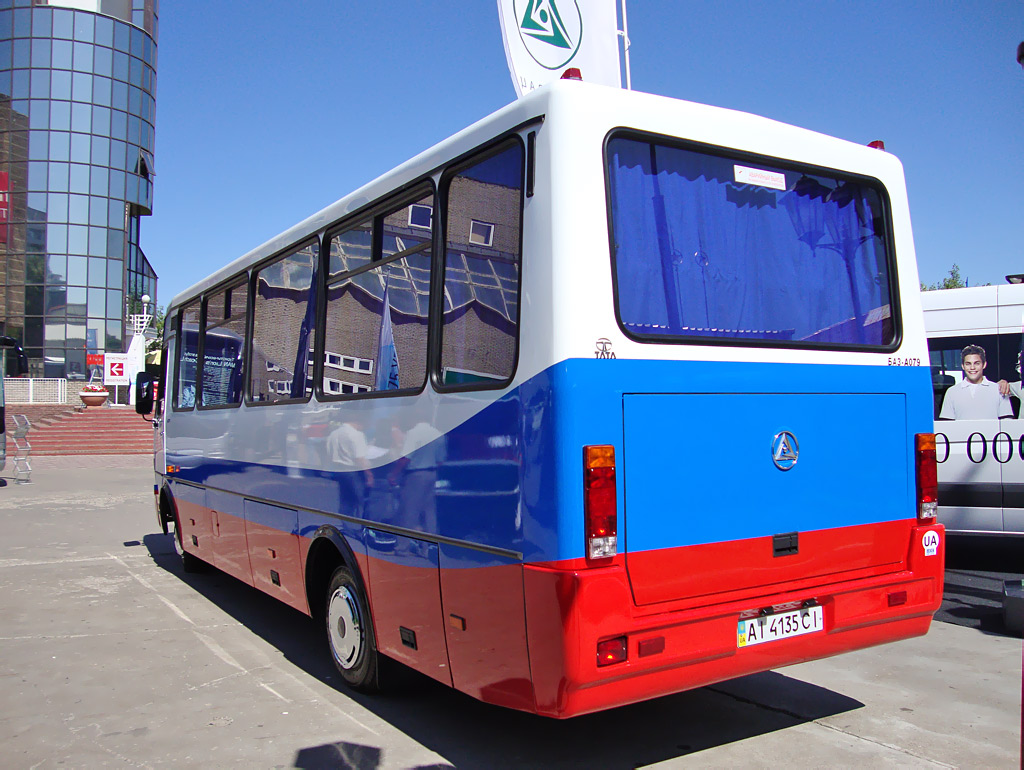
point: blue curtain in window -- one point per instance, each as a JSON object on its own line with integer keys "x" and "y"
{"x": 698, "y": 254}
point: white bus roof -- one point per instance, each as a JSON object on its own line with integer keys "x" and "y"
{"x": 974, "y": 310}
{"x": 579, "y": 102}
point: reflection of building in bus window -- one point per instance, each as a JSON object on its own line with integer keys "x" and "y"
{"x": 975, "y": 397}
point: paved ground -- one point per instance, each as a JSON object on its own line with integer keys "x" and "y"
{"x": 976, "y": 569}
{"x": 63, "y": 462}
{"x": 110, "y": 656}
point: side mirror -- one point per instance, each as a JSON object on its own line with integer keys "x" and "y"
{"x": 143, "y": 393}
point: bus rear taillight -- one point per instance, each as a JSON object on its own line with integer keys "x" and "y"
{"x": 612, "y": 651}
{"x": 927, "y": 478}
{"x": 601, "y": 517}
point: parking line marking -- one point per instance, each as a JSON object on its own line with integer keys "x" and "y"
{"x": 221, "y": 653}
{"x": 48, "y": 562}
{"x": 173, "y": 607}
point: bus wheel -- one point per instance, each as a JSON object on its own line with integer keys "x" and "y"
{"x": 350, "y": 632}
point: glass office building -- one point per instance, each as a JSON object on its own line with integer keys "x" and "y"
{"x": 77, "y": 109}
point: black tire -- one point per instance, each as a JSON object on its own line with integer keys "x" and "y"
{"x": 350, "y": 636}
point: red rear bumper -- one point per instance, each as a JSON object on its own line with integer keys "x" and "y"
{"x": 677, "y": 646}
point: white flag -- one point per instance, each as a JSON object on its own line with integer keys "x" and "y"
{"x": 544, "y": 38}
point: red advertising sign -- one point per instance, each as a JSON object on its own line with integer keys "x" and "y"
{"x": 94, "y": 359}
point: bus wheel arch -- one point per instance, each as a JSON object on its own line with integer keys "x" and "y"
{"x": 336, "y": 594}
{"x": 327, "y": 552}
{"x": 169, "y": 513}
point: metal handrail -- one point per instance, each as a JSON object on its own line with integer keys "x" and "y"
{"x": 22, "y": 449}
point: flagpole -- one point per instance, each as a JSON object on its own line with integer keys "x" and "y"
{"x": 624, "y": 34}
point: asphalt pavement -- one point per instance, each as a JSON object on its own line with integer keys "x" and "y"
{"x": 111, "y": 656}
{"x": 976, "y": 569}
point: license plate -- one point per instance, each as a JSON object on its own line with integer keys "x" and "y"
{"x": 771, "y": 628}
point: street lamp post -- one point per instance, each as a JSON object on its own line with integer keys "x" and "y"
{"x": 139, "y": 322}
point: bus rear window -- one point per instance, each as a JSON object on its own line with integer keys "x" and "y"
{"x": 711, "y": 247}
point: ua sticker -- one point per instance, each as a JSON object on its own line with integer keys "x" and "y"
{"x": 930, "y": 541}
{"x": 551, "y": 31}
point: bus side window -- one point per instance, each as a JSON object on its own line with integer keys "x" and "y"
{"x": 370, "y": 346}
{"x": 483, "y": 228}
{"x": 284, "y": 316}
{"x": 188, "y": 353}
{"x": 224, "y": 346}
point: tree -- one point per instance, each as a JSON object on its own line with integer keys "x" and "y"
{"x": 951, "y": 281}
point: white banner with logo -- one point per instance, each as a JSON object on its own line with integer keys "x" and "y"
{"x": 544, "y": 38}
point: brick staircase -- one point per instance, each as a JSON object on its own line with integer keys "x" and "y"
{"x": 67, "y": 430}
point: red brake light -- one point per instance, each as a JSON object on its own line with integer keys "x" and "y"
{"x": 599, "y": 501}
{"x": 611, "y": 651}
{"x": 927, "y": 477}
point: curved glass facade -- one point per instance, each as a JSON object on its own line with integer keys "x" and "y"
{"x": 77, "y": 110}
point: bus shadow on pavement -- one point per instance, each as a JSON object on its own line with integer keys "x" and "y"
{"x": 467, "y": 733}
{"x": 976, "y": 568}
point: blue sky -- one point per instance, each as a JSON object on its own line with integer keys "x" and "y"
{"x": 269, "y": 111}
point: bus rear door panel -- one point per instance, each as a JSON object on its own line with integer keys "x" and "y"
{"x": 272, "y": 538}
{"x": 195, "y": 520}
{"x": 485, "y": 625}
{"x": 405, "y": 597}
{"x": 231, "y": 554}
{"x": 683, "y": 500}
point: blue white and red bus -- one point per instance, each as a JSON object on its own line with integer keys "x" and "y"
{"x": 605, "y": 397}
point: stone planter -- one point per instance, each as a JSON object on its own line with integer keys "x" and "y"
{"x": 93, "y": 399}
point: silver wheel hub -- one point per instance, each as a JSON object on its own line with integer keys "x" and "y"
{"x": 344, "y": 627}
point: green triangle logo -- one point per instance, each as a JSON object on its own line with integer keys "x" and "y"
{"x": 543, "y": 22}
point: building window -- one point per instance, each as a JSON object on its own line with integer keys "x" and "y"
{"x": 340, "y": 387}
{"x": 421, "y": 216}
{"x": 481, "y": 233}
{"x": 348, "y": 363}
